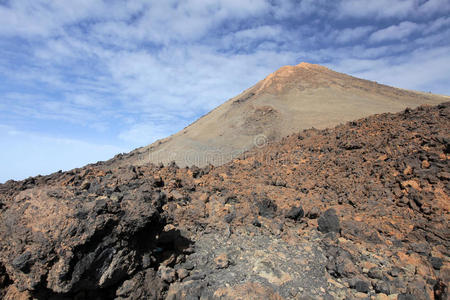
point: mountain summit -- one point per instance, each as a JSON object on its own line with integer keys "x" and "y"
{"x": 290, "y": 99}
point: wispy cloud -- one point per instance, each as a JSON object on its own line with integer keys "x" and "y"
{"x": 420, "y": 70}
{"x": 398, "y": 9}
{"x": 395, "y": 32}
{"x": 351, "y": 34}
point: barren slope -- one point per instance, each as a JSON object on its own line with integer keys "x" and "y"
{"x": 291, "y": 99}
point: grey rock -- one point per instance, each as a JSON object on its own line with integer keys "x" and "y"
{"x": 21, "y": 261}
{"x": 395, "y": 272}
{"x": 313, "y": 213}
{"x": 267, "y": 208}
{"x": 329, "y": 222}
{"x": 382, "y": 287}
{"x": 436, "y": 262}
{"x": 182, "y": 273}
{"x": 362, "y": 286}
{"x": 197, "y": 275}
{"x": 421, "y": 248}
{"x": 167, "y": 274}
{"x": 229, "y": 217}
{"x": 295, "y": 213}
{"x": 406, "y": 297}
{"x": 375, "y": 273}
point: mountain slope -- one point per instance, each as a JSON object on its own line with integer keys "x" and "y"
{"x": 353, "y": 212}
{"x": 291, "y": 99}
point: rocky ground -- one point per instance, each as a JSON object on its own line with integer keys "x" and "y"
{"x": 358, "y": 211}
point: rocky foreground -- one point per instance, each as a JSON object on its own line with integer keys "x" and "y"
{"x": 358, "y": 211}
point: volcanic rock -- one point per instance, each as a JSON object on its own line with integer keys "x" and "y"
{"x": 295, "y": 213}
{"x": 329, "y": 222}
{"x": 131, "y": 238}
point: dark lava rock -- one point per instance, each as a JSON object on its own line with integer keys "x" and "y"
{"x": 94, "y": 252}
{"x": 440, "y": 290}
{"x": 313, "y": 213}
{"x": 406, "y": 297}
{"x": 229, "y": 217}
{"x": 197, "y": 275}
{"x": 417, "y": 288}
{"x": 436, "y": 262}
{"x": 267, "y": 208}
{"x": 375, "y": 273}
{"x": 295, "y": 213}
{"x": 362, "y": 286}
{"x": 256, "y": 223}
{"x": 329, "y": 222}
{"x": 395, "y": 272}
{"x": 21, "y": 261}
{"x": 191, "y": 289}
{"x": 421, "y": 248}
{"x": 382, "y": 287}
{"x": 359, "y": 230}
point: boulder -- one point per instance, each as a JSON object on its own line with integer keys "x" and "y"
{"x": 329, "y": 222}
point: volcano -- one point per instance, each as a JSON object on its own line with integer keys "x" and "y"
{"x": 355, "y": 211}
{"x": 291, "y": 99}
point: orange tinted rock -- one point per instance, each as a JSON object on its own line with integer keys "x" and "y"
{"x": 383, "y": 157}
{"x": 247, "y": 291}
{"x": 13, "y": 293}
{"x": 221, "y": 261}
{"x": 425, "y": 164}
{"x": 412, "y": 183}
{"x": 407, "y": 170}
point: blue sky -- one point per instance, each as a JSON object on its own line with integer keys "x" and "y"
{"x": 83, "y": 80}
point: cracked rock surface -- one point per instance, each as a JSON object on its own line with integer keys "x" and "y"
{"x": 357, "y": 211}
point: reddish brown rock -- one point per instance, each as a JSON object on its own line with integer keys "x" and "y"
{"x": 104, "y": 231}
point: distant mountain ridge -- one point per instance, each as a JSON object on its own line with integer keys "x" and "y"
{"x": 289, "y": 100}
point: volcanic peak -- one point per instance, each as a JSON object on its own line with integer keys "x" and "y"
{"x": 302, "y": 75}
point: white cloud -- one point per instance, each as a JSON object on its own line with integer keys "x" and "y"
{"x": 260, "y": 32}
{"x": 430, "y": 7}
{"x": 398, "y": 9}
{"x": 436, "y": 38}
{"x": 423, "y": 69}
{"x": 437, "y": 24}
{"x": 45, "y": 18}
{"x": 395, "y": 32}
{"x": 282, "y": 9}
{"x": 85, "y": 100}
{"x": 377, "y": 9}
{"x": 165, "y": 22}
{"x": 351, "y": 34}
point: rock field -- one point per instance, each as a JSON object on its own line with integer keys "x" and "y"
{"x": 357, "y": 211}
